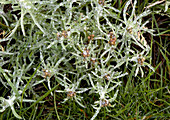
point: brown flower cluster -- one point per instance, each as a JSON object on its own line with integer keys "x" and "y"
{"x": 64, "y": 34}
{"x": 46, "y": 73}
{"x": 90, "y": 37}
{"x": 86, "y": 53}
{"x": 107, "y": 77}
{"x": 101, "y": 2}
{"x": 71, "y": 94}
{"x": 141, "y": 60}
{"x": 113, "y": 38}
{"x": 105, "y": 103}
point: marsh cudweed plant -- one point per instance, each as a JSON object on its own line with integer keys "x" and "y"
{"x": 72, "y": 90}
{"x": 71, "y": 43}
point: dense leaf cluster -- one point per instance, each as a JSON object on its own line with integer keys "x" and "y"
{"x": 85, "y": 46}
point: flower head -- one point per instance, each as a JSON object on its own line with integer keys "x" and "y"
{"x": 72, "y": 91}
{"x": 140, "y": 62}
